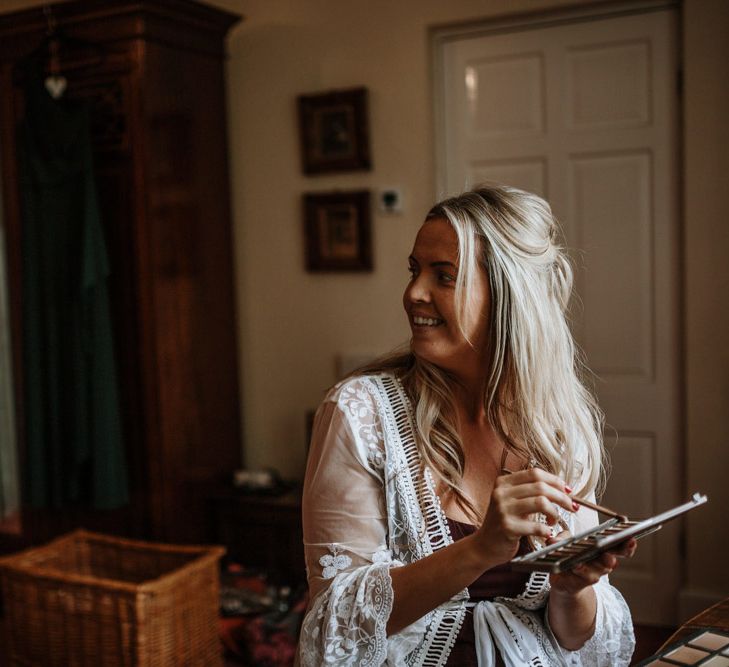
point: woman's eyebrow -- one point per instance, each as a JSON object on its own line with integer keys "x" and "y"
{"x": 439, "y": 263}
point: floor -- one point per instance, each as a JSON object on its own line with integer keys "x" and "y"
{"x": 648, "y": 640}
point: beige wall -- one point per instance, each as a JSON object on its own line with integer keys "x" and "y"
{"x": 706, "y": 285}
{"x": 292, "y": 324}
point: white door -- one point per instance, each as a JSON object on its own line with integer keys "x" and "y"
{"x": 584, "y": 112}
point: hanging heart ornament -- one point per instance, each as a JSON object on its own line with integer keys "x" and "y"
{"x": 56, "y": 86}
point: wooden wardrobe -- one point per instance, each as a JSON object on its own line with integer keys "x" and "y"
{"x": 153, "y": 74}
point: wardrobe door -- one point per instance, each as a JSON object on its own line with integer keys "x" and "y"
{"x": 186, "y": 287}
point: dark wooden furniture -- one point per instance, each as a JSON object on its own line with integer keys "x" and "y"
{"x": 260, "y": 531}
{"x": 715, "y": 617}
{"x": 152, "y": 72}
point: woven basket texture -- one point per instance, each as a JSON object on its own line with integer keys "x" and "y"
{"x": 92, "y": 600}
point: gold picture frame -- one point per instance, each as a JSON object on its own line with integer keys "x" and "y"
{"x": 337, "y": 229}
{"x": 334, "y": 131}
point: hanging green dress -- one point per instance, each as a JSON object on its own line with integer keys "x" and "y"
{"x": 74, "y": 453}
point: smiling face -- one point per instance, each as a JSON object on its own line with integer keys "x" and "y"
{"x": 430, "y": 302}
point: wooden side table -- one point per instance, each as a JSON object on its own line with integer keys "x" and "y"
{"x": 260, "y": 531}
{"x": 716, "y": 617}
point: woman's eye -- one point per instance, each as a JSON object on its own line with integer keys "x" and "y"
{"x": 411, "y": 271}
{"x": 446, "y": 278}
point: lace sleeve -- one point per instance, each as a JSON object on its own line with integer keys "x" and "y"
{"x": 345, "y": 535}
{"x": 613, "y": 641}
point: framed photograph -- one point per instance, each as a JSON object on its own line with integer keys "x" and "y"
{"x": 334, "y": 131}
{"x": 337, "y": 231}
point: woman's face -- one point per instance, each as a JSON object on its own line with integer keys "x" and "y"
{"x": 430, "y": 303}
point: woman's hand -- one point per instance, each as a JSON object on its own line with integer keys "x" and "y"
{"x": 514, "y": 501}
{"x": 572, "y": 600}
{"x": 586, "y": 574}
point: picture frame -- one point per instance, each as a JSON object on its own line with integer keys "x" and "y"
{"x": 337, "y": 229}
{"x": 334, "y": 131}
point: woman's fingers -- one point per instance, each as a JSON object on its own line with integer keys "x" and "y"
{"x": 589, "y": 573}
{"x": 518, "y": 528}
{"x": 626, "y": 549}
{"x": 518, "y": 496}
{"x": 583, "y": 575}
{"x": 533, "y": 505}
{"x": 537, "y": 482}
{"x": 538, "y": 489}
{"x": 545, "y": 490}
{"x": 533, "y": 475}
{"x": 560, "y": 536}
{"x": 598, "y": 567}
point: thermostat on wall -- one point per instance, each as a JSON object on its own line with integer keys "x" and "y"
{"x": 389, "y": 200}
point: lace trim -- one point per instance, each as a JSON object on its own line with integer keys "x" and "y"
{"x": 528, "y": 618}
{"x": 383, "y": 598}
{"x": 535, "y": 594}
{"x": 439, "y": 641}
{"x": 431, "y": 527}
{"x": 355, "y": 632}
{"x": 402, "y": 459}
{"x": 423, "y": 490}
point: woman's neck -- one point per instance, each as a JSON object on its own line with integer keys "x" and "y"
{"x": 469, "y": 403}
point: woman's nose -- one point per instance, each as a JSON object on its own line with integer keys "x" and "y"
{"x": 417, "y": 291}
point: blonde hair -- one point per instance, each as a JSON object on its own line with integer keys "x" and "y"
{"x": 534, "y": 397}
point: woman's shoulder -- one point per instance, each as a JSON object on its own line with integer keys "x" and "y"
{"x": 356, "y": 388}
{"x": 352, "y": 406}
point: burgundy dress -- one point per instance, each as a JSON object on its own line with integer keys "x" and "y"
{"x": 498, "y": 581}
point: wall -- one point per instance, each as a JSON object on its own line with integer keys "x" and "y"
{"x": 706, "y": 284}
{"x": 292, "y": 323}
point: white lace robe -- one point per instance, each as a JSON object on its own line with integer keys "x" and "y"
{"x": 367, "y": 509}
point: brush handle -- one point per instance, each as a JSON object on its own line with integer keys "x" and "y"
{"x": 599, "y": 508}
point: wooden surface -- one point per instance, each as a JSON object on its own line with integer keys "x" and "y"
{"x": 716, "y": 617}
{"x": 260, "y": 531}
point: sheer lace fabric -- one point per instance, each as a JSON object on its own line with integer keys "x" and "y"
{"x": 367, "y": 509}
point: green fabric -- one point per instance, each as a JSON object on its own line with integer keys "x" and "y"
{"x": 9, "y": 480}
{"x": 74, "y": 447}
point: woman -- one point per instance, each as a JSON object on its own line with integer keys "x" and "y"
{"x": 409, "y": 521}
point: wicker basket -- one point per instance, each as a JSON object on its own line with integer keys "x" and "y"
{"x": 93, "y": 600}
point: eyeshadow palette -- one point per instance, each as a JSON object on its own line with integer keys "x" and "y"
{"x": 706, "y": 648}
{"x": 565, "y": 554}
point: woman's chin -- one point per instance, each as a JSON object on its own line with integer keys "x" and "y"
{"x": 426, "y": 351}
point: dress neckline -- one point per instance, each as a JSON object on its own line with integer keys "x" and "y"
{"x": 460, "y": 523}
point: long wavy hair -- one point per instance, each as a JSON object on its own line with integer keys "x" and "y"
{"x": 535, "y": 398}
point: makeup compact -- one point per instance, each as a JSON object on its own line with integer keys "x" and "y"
{"x": 566, "y": 554}
{"x": 705, "y": 648}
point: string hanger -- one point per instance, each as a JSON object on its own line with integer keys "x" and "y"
{"x": 50, "y": 20}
